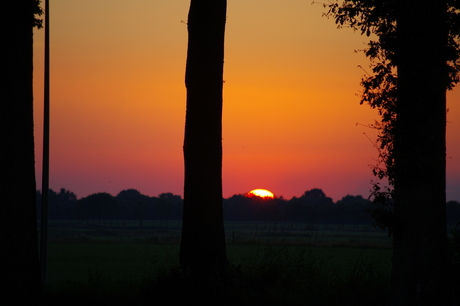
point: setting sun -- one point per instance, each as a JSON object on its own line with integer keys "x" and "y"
{"x": 261, "y": 193}
{"x": 118, "y": 100}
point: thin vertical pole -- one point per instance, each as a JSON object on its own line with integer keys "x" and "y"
{"x": 46, "y": 142}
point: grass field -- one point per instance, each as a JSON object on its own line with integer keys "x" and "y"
{"x": 122, "y": 257}
{"x": 123, "y": 250}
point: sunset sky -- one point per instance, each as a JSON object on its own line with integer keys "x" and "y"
{"x": 292, "y": 119}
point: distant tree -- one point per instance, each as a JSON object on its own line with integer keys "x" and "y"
{"x": 263, "y": 209}
{"x": 19, "y": 262}
{"x": 202, "y": 248}
{"x": 66, "y": 199}
{"x": 353, "y": 209}
{"x": 314, "y": 193}
{"x": 99, "y": 206}
{"x": 168, "y": 207}
{"x": 61, "y": 205}
{"x": 168, "y": 196}
{"x": 239, "y": 208}
{"x": 140, "y": 211}
{"x": 416, "y": 61}
{"x": 66, "y": 196}
{"x": 135, "y": 205}
{"x": 129, "y": 195}
{"x": 298, "y": 211}
{"x": 453, "y": 212}
{"x": 320, "y": 206}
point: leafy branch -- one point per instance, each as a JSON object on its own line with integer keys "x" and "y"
{"x": 377, "y": 18}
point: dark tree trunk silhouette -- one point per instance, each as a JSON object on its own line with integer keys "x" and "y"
{"x": 19, "y": 245}
{"x": 419, "y": 275}
{"x": 203, "y": 239}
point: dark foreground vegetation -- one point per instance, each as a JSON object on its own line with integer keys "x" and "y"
{"x": 271, "y": 263}
{"x": 277, "y": 277}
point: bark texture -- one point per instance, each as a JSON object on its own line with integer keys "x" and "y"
{"x": 420, "y": 274}
{"x": 19, "y": 261}
{"x": 202, "y": 247}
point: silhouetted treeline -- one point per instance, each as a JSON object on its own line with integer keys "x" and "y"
{"x": 127, "y": 205}
{"x": 312, "y": 207}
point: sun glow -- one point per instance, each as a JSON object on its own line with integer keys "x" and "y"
{"x": 261, "y": 193}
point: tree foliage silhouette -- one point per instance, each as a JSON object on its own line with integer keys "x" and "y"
{"x": 379, "y": 87}
{"x": 19, "y": 261}
{"x": 420, "y": 240}
{"x": 202, "y": 246}
{"x": 414, "y": 61}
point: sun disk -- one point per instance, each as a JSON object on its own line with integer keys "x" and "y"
{"x": 261, "y": 193}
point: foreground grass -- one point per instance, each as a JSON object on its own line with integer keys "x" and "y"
{"x": 119, "y": 274}
{"x": 81, "y": 261}
{"x": 278, "y": 277}
{"x": 270, "y": 265}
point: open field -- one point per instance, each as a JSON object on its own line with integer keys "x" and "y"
{"x": 121, "y": 263}
{"x": 236, "y": 233}
{"x": 122, "y": 250}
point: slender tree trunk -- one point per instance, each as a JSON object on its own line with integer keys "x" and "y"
{"x": 419, "y": 275}
{"x": 203, "y": 239}
{"x": 19, "y": 263}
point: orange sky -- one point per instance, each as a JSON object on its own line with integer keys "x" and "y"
{"x": 290, "y": 100}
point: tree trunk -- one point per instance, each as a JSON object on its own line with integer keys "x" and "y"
{"x": 19, "y": 260}
{"x": 202, "y": 247}
{"x": 420, "y": 274}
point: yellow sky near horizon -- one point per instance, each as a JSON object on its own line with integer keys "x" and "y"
{"x": 290, "y": 100}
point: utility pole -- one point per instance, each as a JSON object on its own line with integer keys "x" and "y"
{"x": 46, "y": 151}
